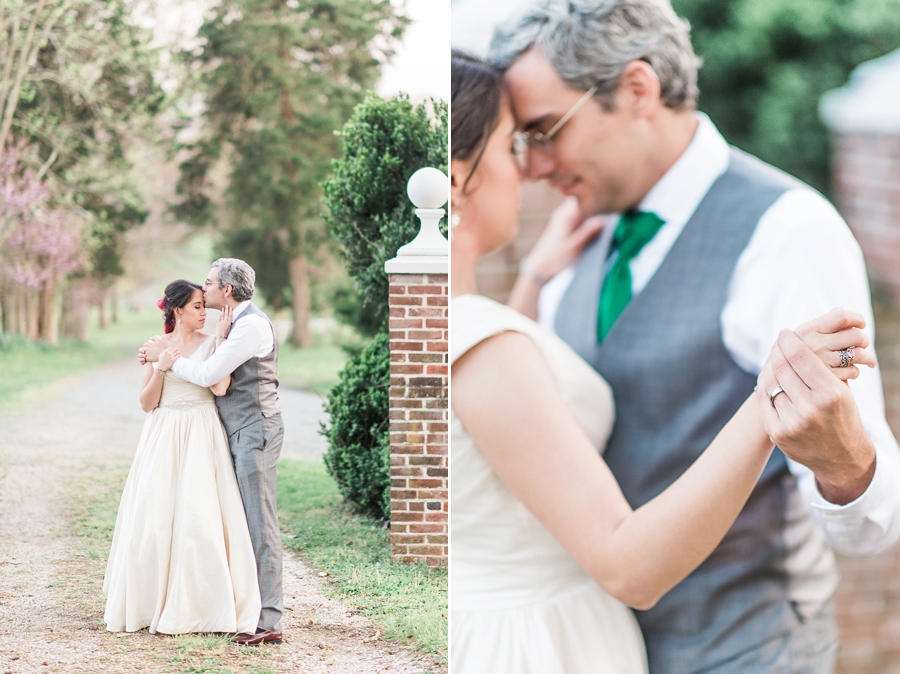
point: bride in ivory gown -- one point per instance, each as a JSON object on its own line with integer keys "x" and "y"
{"x": 546, "y": 553}
{"x": 181, "y": 558}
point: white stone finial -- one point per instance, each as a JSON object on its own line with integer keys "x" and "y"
{"x": 427, "y": 188}
{"x": 428, "y": 252}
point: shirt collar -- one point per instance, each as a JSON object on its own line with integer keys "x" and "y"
{"x": 676, "y": 195}
{"x": 238, "y": 309}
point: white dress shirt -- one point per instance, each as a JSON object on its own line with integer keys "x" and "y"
{"x": 251, "y": 337}
{"x": 801, "y": 262}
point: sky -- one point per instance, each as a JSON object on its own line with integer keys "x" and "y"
{"x": 421, "y": 66}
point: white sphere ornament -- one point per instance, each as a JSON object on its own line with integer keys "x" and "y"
{"x": 428, "y": 188}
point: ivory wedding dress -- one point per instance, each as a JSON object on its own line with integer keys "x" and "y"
{"x": 181, "y": 557}
{"x": 519, "y": 603}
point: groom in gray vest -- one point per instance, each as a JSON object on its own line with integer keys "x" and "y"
{"x": 252, "y": 418}
{"x": 707, "y": 254}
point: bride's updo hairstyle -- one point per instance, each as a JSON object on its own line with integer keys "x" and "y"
{"x": 178, "y": 294}
{"x": 477, "y": 91}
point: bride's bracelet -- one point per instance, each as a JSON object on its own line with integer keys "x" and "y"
{"x": 527, "y": 270}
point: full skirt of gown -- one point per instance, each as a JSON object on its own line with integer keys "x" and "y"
{"x": 181, "y": 558}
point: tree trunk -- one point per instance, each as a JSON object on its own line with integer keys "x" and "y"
{"x": 20, "y": 310}
{"x": 34, "y": 315}
{"x": 6, "y": 308}
{"x": 102, "y": 305}
{"x": 300, "y": 337}
{"x": 48, "y": 328}
{"x": 113, "y": 305}
{"x": 77, "y": 309}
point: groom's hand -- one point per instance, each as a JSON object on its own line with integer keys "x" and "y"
{"x": 815, "y": 420}
{"x": 152, "y": 348}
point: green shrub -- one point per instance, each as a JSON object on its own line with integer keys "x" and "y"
{"x": 766, "y": 64}
{"x": 358, "y": 455}
{"x": 368, "y": 211}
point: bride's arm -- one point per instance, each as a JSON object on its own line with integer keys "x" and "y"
{"x": 152, "y": 382}
{"x": 222, "y": 387}
{"x": 507, "y": 398}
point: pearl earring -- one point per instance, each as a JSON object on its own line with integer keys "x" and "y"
{"x": 454, "y": 220}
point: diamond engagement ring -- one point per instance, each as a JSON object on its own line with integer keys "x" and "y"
{"x": 846, "y": 356}
{"x": 774, "y": 393}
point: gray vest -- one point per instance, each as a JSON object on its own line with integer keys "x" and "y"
{"x": 253, "y": 393}
{"x": 675, "y": 387}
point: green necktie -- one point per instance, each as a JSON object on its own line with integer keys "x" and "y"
{"x": 635, "y": 229}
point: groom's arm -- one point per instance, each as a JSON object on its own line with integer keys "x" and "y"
{"x": 801, "y": 262}
{"x": 244, "y": 342}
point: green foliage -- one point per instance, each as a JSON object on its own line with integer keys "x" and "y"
{"x": 358, "y": 455}
{"x": 766, "y": 64}
{"x": 385, "y": 142}
{"x": 279, "y": 78}
{"x": 350, "y": 309}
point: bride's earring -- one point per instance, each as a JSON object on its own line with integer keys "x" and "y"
{"x": 454, "y": 215}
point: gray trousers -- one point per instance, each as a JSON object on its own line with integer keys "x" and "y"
{"x": 255, "y": 450}
{"x": 810, "y": 648}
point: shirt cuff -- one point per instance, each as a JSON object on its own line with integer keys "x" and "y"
{"x": 850, "y": 526}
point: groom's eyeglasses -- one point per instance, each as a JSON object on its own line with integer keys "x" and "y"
{"x": 544, "y": 141}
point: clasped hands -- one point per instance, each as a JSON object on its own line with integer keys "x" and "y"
{"x": 814, "y": 419}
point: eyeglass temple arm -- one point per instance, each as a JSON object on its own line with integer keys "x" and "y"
{"x": 566, "y": 117}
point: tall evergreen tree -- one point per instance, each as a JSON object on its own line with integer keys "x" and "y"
{"x": 279, "y": 76}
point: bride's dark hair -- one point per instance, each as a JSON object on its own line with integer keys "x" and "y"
{"x": 476, "y": 92}
{"x": 178, "y": 294}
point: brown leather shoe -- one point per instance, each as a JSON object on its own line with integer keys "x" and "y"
{"x": 261, "y": 637}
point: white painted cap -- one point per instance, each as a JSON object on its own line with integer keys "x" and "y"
{"x": 428, "y": 188}
{"x": 869, "y": 103}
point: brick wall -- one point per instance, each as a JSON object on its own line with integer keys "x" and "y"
{"x": 866, "y": 178}
{"x": 419, "y": 417}
{"x": 868, "y": 598}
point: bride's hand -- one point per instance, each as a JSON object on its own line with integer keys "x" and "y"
{"x": 563, "y": 239}
{"x": 168, "y": 357}
{"x": 838, "y": 330}
{"x": 808, "y": 409}
{"x": 223, "y": 327}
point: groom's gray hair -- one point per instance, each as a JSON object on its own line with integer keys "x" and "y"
{"x": 237, "y": 274}
{"x": 590, "y": 42}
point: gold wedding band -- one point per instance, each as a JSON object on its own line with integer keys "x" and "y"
{"x": 774, "y": 393}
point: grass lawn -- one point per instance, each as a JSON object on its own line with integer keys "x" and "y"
{"x": 29, "y": 366}
{"x": 409, "y": 602}
{"x": 314, "y": 368}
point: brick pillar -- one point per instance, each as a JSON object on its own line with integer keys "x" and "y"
{"x": 866, "y": 173}
{"x": 419, "y": 306}
{"x": 864, "y": 120}
{"x": 419, "y": 417}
